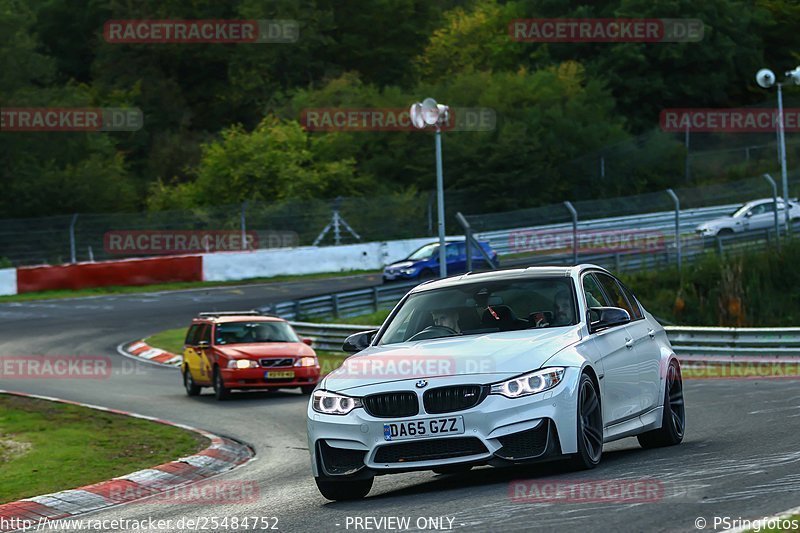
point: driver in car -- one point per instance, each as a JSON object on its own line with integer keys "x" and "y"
{"x": 562, "y": 311}
{"x": 447, "y": 318}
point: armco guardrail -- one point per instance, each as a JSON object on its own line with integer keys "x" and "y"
{"x": 688, "y": 341}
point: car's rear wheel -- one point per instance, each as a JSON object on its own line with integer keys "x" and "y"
{"x": 344, "y": 489}
{"x": 725, "y": 232}
{"x": 220, "y": 392}
{"x": 673, "y": 421}
{"x": 590, "y": 426}
{"x": 192, "y": 389}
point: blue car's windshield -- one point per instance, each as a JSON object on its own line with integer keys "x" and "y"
{"x": 426, "y": 252}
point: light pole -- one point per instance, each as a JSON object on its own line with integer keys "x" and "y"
{"x": 429, "y": 113}
{"x": 766, "y": 79}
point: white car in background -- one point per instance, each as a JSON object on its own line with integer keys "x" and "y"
{"x": 755, "y": 215}
{"x": 498, "y": 368}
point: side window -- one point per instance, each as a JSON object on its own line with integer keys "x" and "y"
{"x": 758, "y": 209}
{"x": 614, "y": 293}
{"x": 594, "y": 295}
{"x": 637, "y": 310}
{"x": 191, "y": 335}
{"x": 452, "y": 252}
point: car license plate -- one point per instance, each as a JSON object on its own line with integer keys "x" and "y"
{"x": 279, "y": 374}
{"x": 428, "y": 427}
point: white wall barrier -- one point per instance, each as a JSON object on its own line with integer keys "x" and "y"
{"x": 228, "y": 266}
{"x": 8, "y": 281}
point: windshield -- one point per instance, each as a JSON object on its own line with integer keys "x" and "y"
{"x": 254, "y": 332}
{"x": 484, "y": 307}
{"x": 426, "y": 252}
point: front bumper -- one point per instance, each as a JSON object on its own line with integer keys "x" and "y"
{"x": 255, "y": 378}
{"x": 497, "y": 431}
{"x": 397, "y": 275}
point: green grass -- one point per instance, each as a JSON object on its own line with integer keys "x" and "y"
{"x": 176, "y": 286}
{"x": 170, "y": 340}
{"x": 70, "y": 446}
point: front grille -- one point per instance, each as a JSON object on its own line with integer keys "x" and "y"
{"x": 339, "y": 461}
{"x": 525, "y": 444}
{"x": 455, "y": 398}
{"x": 392, "y": 404}
{"x": 429, "y": 450}
{"x": 274, "y": 363}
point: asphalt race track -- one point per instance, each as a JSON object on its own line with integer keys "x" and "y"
{"x": 740, "y": 457}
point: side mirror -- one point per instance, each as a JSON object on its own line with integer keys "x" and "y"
{"x": 607, "y": 317}
{"x": 358, "y": 341}
{"x": 307, "y": 341}
{"x": 748, "y": 214}
{"x": 203, "y": 344}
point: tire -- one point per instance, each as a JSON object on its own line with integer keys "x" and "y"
{"x": 725, "y": 232}
{"x": 220, "y": 391}
{"x": 344, "y": 489}
{"x": 307, "y": 389}
{"x": 590, "y": 426}
{"x": 192, "y": 389}
{"x": 673, "y": 415}
{"x": 453, "y": 469}
{"x": 426, "y": 274}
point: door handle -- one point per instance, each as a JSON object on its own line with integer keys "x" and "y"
{"x": 652, "y": 333}
{"x": 629, "y": 343}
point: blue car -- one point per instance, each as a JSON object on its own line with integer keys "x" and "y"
{"x": 424, "y": 262}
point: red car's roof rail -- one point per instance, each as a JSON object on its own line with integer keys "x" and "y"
{"x": 252, "y": 312}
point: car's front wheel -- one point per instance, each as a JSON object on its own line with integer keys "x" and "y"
{"x": 344, "y": 489}
{"x": 220, "y": 391}
{"x": 673, "y": 416}
{"x": 590, "y": 426}
{"x": 192, "y": 389}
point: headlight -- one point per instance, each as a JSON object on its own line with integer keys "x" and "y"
{"x": 242, "y": 363}
{"x": 532, "y": 383}
{"x": 409, "y": 271}
{"x": 333, "y": 404}
{"x": 306, "y": 361}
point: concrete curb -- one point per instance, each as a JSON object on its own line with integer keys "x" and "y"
{"x": 143, "y": 351}
{"x": 222, "y": 455}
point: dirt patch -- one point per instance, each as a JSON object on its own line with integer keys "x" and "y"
{"x": 11, "y": 449}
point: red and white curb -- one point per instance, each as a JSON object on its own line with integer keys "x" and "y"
{"x": 143, "y": 351}
{"x": 222, "y": 455}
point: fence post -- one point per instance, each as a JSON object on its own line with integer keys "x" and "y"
{"x": 72, "y": 238}
{"x": 335, "y": 304}
{"x": 677, "y": 225}
{"x": 243, "y": 221}
{"x": 719, "y": 245}
{"x": 775, "y": 205}
{"x": 470, "y": 239}
{"x": 375, "y": 298}
{"x": 297, "y": 309}
{"x": 574, "y": 215}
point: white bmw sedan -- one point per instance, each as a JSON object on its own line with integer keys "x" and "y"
{"x": 498, "y": 368}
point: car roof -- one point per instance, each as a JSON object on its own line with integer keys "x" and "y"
{"x": 237, "y": 318}
{"x": 507, "y": 274}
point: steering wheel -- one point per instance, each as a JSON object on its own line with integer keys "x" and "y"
{"x": 431, "y": 332}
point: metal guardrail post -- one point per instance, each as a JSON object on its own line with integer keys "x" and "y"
{"x": 471, "y": 241}
{"x": 775, "y": 204}
{"x": 335, "y": 305}
{"x": 375, "y": 301}
{"x": 677, "y": 226}
{"x": 72, "y": 255}
{"x": 574, "y": 215}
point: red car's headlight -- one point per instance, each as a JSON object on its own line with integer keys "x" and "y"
{"x": 242, "y": 363}
{"x": 306, "y": 361}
